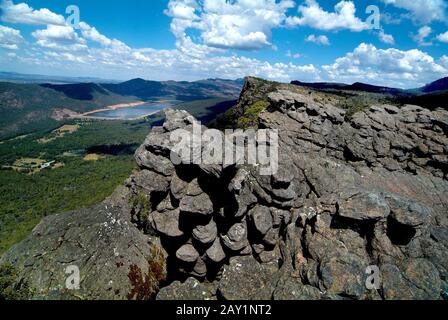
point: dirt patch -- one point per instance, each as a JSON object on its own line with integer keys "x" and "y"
{"x": 114, "y": 107}
{"x": 57, "y": 165}
{"x": 33, "y": 165}
{"x": 26, "y": 165}
{"x": 28, "y": 162}
{"x": 61, "y": 114}
{"x": 92, "y": 157}
{"x": 59, "y": 133}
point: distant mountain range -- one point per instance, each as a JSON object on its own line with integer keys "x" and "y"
{"x": 439, "y": 85}
{"x": 431, "y": 96}
{"x": 150, "y": 90}
{"x": 179, "y": 90}
{"x": 26, "y": 107}
{"x": 40, "y": 78}
{"x": 357, "y": 86}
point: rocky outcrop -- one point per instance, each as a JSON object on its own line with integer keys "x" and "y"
{"x": 410, "y": 138}
{"x": 114, "y": 259}
{"x": 352, "y": 195}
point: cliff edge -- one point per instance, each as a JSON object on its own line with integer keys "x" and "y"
{"x": 356, "y": 210}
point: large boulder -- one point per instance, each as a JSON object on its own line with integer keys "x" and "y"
{"x": 191, "y": 289}
{"x": 246, "y": 279}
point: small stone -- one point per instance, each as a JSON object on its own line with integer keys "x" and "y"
{"x": 258, "y": 248}
{"x": 193, "y": 188}
{"x": 167, "y": 223}
{"x": 165, "y": 205}
{"x": 364, "y": 206}
{"x": 409, "y": 213}
{"x": 236, "y": 238}
{"x": 200, "y": 269}
{"x": 150, "y": 181}
{"x": 187, "y": 253}
{"x": 280, "y": 217}
{"x": 272, "y": 237}
{"x": 200, "y": 204}
{"x": 206, "y": 234}
{"x": 215, "y": 253}
{"x": 391, "y": 109}
{"x": 343, "y": 276}
{"x": 178, "y": 187}
{"x": 158, "y": 163}
{"x": 282, "y": 178}
{"x": 246, "y": 279}
{"x": 270, "y": 256}
{"x": 246, "y": 251}
{"x": 261, "y": 218}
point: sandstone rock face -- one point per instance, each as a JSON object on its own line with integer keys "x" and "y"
{"x": 351, "y": 194}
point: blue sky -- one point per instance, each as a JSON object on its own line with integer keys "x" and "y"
{"x": 308, "y": 40}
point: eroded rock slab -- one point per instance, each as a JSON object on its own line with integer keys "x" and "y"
{"x": 115, "y": 260}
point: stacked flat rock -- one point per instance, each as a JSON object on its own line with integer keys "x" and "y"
{"x": 333, "y": 199}
{"x": 200, "y": 234}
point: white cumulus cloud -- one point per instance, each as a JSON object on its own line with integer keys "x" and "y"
{"x": 443, "y": 37}
{"x": 23, "y": 13}
{"x": 390, "y": 67}
{"x": 239, "y": 24}
{"x": 444, "y": 61}
{"x": 422, "y": 34}
{"x": 59, "y": 37}
{"x": 321, "y": 40}
{"x": 9, "y": 38}
{"x": 343, "y": 17}
{"x": 386, "y": 38}
{"x": 424, "y": 11}
{"x": 92, "y": 34}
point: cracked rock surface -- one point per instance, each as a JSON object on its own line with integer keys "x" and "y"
{"x": 350, "y": 192}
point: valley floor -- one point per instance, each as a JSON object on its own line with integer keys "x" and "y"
{"x": 72, "y": 166}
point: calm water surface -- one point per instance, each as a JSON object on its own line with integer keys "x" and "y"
{"x": 132, "y": 112}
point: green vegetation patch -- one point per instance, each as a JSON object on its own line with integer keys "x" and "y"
{"x": 358, "y": 103}
{"x": 249, "y": 119}
{"x": 25, "y": 199}
{"x": 11, "y": 288}
{"x": 141, "y": 207}
{"x": 233, "y": 119}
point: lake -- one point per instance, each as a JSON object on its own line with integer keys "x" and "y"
{"x": 130, "y": 113}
